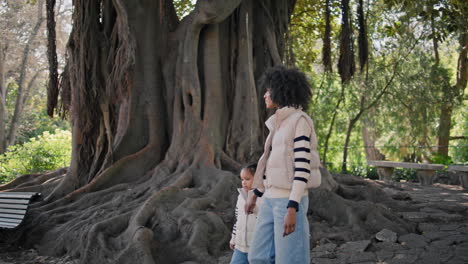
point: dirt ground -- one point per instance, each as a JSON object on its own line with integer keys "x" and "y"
{"x": 440, "y": 212}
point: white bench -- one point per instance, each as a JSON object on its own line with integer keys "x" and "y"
{"x": 13, "y": 208}
{"x": 463, "y": 170}
{"x": 424, "y": 171}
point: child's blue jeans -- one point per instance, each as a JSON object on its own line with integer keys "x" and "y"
{"x": 268, "y": 242}
{"x": 239, "y": 257}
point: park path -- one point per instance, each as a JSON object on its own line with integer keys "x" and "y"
{"x": 441, "y": 215}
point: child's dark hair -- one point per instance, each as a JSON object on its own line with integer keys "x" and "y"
{"x": 288, "y": 87}
{"x": 251, "y": 167}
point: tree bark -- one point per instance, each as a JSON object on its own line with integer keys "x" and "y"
{"x": 52, "y": 58}
{"x": 451, "y": 95}
{"x": 22, "y": 78}
{"x": 150, "y": 110}
{"x": 369, "y": 137}
{"x": 332, "y": 123}
{"x": 3, "y": 137}
{"x": 435, "y": 44}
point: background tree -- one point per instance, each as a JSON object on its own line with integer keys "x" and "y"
{"x": 23, "y": 70}
{"x": 22, "y": 75}
{"x": 444, "y": 19}
{"x": 392, "y": 30}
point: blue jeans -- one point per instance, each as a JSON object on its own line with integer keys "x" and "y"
{"x": 239, "y": 257}
{"x": 269, "y": 245}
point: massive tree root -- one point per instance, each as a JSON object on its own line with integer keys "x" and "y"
{"x": 188, "y": 220}
{"x": 42, "y": 183}
{"x": 354, "y": 209}
{"x": 188, "y": 216}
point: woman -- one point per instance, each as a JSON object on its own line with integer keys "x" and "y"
{"x": 287, "y": 168}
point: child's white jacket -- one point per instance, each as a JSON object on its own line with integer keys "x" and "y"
{"x": 242, "y": 232}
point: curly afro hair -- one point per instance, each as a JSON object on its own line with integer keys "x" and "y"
{"x": 288, "y": 87}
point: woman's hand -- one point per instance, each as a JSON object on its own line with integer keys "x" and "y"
{"x": 289, "y": 221}
{"x": 250, "y": 204}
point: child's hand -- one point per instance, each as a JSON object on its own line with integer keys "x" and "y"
{"x": 250, "y": 204}
{"x": 289, "y": 221}
{"x": 231, "y": 245}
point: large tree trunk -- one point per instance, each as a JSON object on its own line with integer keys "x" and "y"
{"x": 22, "y": 78}
{"x": 151, "y": 113}
{"x": 161, "y": 109}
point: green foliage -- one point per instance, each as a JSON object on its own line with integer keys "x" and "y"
{"x": 45, "y": 152}
{"x": 441, "y": 159}
{"x": 364, "y": 172}
{"x": 35, "y": 123}
{"x": 34, "y": 120}
{"x": 183, "y": 7}
{"x": 406, "y": 119}
{"x": 459, "y": 148}
{"x": 400, "y": 174}
{"x": 459, "y": 152}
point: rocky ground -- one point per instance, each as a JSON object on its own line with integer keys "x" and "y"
{"x": 440, "y": 213}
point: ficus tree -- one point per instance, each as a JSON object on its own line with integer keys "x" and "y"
{"x": 163, "y": 111}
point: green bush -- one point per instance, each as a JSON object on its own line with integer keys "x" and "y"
{"x": 45, "y": 152}
{"x": 365, "y": 172}
{"x": 441, "y": 159}
{"x": 404, "y": 174}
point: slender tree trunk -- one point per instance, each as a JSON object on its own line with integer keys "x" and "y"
{"x": 363, "y": 109}
{"x": 435, "y": 44}
{"x": 346, "y": 145}
{"x": 332, "y": 124}
{"x": 3, "y": 49}
{"x": 451, "y": 94}
{"x": 22, "y": 78}
{"x": 369, "y": 137}
{"x": 362, "y": 38}
{"x": 30, "y": 85}
{"x": 53, "y": 88}
{"x": 445, "y": 124}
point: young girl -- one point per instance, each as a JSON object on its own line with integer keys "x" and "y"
{"x": 245, "y": 223}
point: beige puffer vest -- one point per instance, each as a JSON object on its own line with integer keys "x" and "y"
{"x": 245, "y": 223}
{"x": 277, "y": 161}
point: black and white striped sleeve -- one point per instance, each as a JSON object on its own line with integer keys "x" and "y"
{"x": 301, "y": 162}
{"x": 234, "y": 228}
